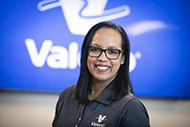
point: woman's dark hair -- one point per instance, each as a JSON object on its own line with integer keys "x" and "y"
{"x": 122, "y": 85}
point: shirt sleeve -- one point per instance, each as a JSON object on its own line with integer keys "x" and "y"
{"x": 135, "y": 115}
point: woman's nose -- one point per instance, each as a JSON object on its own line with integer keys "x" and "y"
{"x": 103, "y": 56}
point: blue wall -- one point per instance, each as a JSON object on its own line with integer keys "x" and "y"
{"x": 40, "y": 43}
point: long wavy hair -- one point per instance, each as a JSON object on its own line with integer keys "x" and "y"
{"x": 122, "y": 84}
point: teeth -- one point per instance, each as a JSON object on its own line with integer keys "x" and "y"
{"x": 102, "y": 68}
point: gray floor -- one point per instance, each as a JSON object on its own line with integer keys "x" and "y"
{"x": 27, "y": 109}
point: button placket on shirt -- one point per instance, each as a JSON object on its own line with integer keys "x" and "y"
{"x": 83, "y": 111}
{"x": 80, "y": 115}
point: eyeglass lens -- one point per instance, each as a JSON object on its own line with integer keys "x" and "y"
{"x": 110, "y": 53}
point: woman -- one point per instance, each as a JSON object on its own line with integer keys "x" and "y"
{"x": 103, "y": 94}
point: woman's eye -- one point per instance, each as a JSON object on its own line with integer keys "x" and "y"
{"x": 95, "y": 49}
{"x": 112, "y": 52}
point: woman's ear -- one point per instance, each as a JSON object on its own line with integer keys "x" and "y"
{"x": 122, "y": 60}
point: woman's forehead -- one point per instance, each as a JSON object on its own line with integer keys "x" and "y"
{"x": 107, "y": 37}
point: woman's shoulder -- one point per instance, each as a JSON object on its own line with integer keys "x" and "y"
{"x": 127, "y": 99}
{"x": 132, "y": 102}
{"x": 68, "y": 90}
{"x": 65, "y": 94}
{"x": 135, "y": 112}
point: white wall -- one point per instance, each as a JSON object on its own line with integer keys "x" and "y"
{"x": 26, "y": 109}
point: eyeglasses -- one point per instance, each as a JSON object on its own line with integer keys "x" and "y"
{"x": 111, "y": 54}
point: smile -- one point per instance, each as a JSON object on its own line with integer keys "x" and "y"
{"x": 102, "y": 68}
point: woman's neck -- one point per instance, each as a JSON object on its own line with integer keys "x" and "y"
{"x": 97, "y": 88}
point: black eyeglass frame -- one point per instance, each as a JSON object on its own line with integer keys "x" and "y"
{"x": 104, "y": 50}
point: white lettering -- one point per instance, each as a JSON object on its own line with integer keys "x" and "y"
{"x": 38, "y": 59}
{"x": 73, "y": 50}
{"x": 58, "y": 57}
{"x": 79, "y": 58}
{"x": 97, "y": 124}
{"x": 132, "y": 62}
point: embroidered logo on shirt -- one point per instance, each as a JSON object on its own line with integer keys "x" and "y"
{"x": 101, "y": 118}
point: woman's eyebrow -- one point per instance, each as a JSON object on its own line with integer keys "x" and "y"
{"x": 113, "y": 47}
{"x": 96, "y": 45}
{"x": 110, "y": 47}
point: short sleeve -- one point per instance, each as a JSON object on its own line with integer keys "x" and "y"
{"x": 135, "y": 115}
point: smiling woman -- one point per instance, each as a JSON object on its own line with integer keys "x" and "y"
{"x": 103, "y": 95}
{"x": 104, "y": 67}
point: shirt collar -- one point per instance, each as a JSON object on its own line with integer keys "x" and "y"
{"x": 106, "y": 97}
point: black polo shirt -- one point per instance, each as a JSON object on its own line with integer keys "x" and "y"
{"x": 100, "y": 112}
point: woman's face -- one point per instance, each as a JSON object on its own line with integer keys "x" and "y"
{"x": 102, "y": 68}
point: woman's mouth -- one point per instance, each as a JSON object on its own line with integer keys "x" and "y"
{"x": 102, "y": 68}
